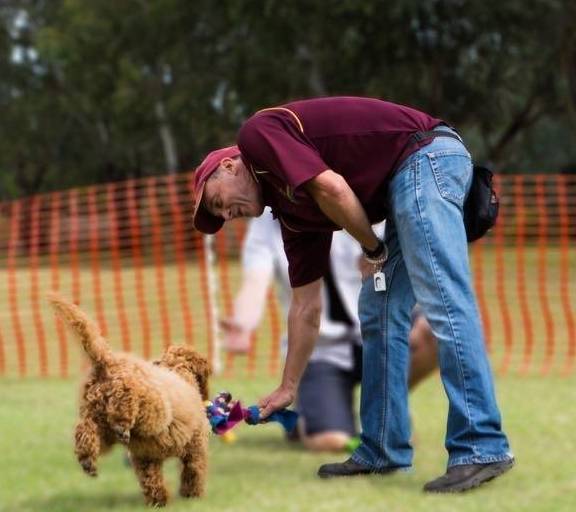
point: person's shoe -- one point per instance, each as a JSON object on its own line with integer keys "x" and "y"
{"x": 349, "y": 468}
{"x": 293, "y": 436}
{"x": 468, "y": 476}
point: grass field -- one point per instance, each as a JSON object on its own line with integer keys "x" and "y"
{"x": 260, "y": 472}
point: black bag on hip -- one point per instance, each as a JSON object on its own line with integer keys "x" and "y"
{"x": 481, "y": 205}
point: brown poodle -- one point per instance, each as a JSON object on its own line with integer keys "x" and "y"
{"x": 155, "y": 409}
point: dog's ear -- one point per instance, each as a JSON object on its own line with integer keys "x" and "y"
{"x": 191, "y": 362}
{"x": 202, "y": 371}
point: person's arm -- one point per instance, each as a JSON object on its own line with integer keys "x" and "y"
{"x": 248, "y": 307}
{"x": 303, "y": 326}
{"x": 340, "y": 204}
{"x": 257, "y": 268}
{"x": 275, "y": 142}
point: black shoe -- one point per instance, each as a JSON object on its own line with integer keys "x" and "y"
{"x": 468, "y": 476}
{"x": 349, "y": 468}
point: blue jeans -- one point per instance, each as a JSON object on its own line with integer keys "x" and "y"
{"x": 428, "y": 264}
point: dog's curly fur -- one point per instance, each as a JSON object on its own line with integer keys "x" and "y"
{"x": 155, "y": 409}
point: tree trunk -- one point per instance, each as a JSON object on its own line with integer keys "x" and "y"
{"x": 167, "y": 138}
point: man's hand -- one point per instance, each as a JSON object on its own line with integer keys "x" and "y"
{"x": 278, "y": 399}
{"x": 368, "y": 269}
{"x": 236, "y": 337}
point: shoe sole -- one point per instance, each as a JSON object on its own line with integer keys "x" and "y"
{"x": 483, "y": 476}
{"x": 326, "y": 476}
{"x": 360, "y": 473}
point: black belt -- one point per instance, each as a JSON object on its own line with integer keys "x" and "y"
{"x": 431, "y": 134}
{"x": 420, "y": 136}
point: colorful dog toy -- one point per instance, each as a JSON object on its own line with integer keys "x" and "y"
{"x": 224, "y": 414}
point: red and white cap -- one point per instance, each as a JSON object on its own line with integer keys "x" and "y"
{"x": 203, "y": 220}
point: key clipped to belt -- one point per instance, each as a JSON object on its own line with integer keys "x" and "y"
{"x": 379, "y": 277}
{"x": 377, "y": 258}
{"x": 379, "y": 281}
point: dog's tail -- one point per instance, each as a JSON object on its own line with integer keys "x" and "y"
{"x": 87, "y": 330}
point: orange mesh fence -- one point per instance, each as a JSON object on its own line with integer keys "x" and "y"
{"x": 128, "y": 254}
{"x": 522, "y": 273}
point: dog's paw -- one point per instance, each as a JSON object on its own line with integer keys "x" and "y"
{"x": 88, "y": 467}
{"x": 122, "y": 434}
{"x": 191, "y": 493}
{"x": 158, "y": 498}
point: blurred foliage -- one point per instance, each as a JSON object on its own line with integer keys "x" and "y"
{"x": 106, "y": 89}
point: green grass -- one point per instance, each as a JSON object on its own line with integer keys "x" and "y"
{"x": 261, "y": 472}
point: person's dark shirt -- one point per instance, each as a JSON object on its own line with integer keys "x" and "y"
{"x": 362, "y": 139}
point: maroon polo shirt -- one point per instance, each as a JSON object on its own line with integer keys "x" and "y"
{"x": 363, "y": 139}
